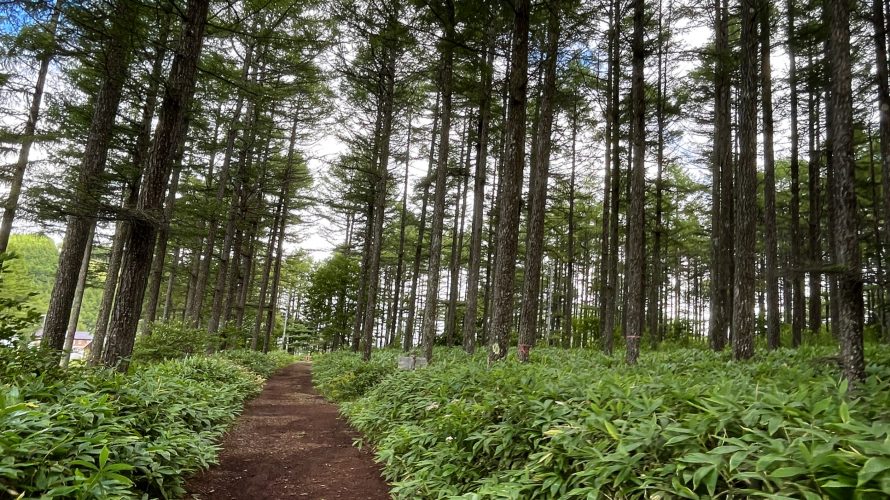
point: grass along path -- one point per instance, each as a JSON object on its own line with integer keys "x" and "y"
{"x": 290, "y": 443}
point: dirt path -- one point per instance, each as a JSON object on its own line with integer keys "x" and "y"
{"x": 290, "y": 443}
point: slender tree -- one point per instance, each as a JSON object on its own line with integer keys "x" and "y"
{"x": 482, "y": 131}
{"x": 745, "y": 208}
{"x": 846, "y": 237}
{"x": 769, "y": 182}
{"x": 510, "y": 188}
{"x": 721, "y": 187}
{"x": 538, "y": 178}
{"x": 797, "y": 297}
{"x": 637, "y": 180}
{"x": 28, "y": 135}
{"x": 445, "y": 13}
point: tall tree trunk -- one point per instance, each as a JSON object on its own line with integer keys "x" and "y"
{"x": 814, "y": 189}
{"x": 279, "y": 253}
{"x": 408, "y": 341}
{"x": 880, "y": 36}
{"x": 21, "y": 164}
{"x": 360, "y": 309}
{"x": 655, "y": 280}
{"x": 568, "y": 305}
{"x": 605, "y": 257}
{"x": 387, "y": 94}
{"x": 511, "y": 196}
{"x": 471, "y": 313}
{"x": 264, "y": 277}
{"x": 745, "y": 203}
{"x": 116, "y": 61}
{"x": 609, "y": 297}
{"x": 168, "y": 136}
{"x": 246, "y": 274}
{"x": 880, "y": 306}
{"x": 431, "y": 304}
{"x": 797, "y": 296}
{"x": 636, "y": 254}
{"x": 454, "y": 257}
{"x": 358, "y": 320}
{"x": 396, "y": 323}
{"x": 156, "y": 274}
{"x": 78, "y": 298}
{"x": 112, "y": 273}
{"x": 538, "y": 175}
{"x": 846, "y": 236}
{"x": 722, "y": 188}
{"x": 771, "y": 243}
{"x": 457, "y": 245}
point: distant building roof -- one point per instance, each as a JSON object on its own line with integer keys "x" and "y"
{"x": 77, "y": 335}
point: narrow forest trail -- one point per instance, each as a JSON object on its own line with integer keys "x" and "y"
{"x": 290, "y": 443}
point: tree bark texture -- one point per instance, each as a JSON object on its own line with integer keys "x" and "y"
{"x": 745, "y": 203}
{"x": 538, "y": 176}
{"x": 846, "y": 237}
{"x": 770, "y": 238}
{"x": 510, "y": 198}
{"x": 636, "y": 217}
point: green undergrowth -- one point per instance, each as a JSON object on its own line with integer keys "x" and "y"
{"x": 89, "y": 433}
{"x": 684, "y": 423}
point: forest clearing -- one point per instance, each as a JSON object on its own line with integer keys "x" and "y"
{"x": 553, "y": 249}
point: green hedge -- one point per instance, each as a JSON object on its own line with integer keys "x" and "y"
{"x": 577, "y": 424}
{"x": 87, "y": 433}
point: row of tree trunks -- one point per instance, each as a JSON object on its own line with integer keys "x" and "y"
{"x": 387, "y": 95}
{"x": 168, "y": 138}
{"x": 196, "y": 305}
{"x": 115, "y": 62}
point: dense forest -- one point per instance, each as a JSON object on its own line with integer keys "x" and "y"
{"x": 569, "y": 173}
{"x": 567, "y": 181}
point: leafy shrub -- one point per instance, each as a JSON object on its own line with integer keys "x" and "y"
{"x": 16, "y": 314}
{"x": 683, "y": 424}
{"x": 169, "y": 341}
{"x": 88, "y": 433}
{"x": 257, "y": 362}
{"x": 343, "y": 376}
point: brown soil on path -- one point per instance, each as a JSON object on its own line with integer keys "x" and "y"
{"x": 290, "y": 443}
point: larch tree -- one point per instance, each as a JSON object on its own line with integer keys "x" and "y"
{"x": 168, "y": 135}
{"x": 114, "y": 63}
{"x": 721, "y": 186}
{"x": 509, "y": 199}
{"x": 846, "y": 237}
{"x": 745, "y": 185}
{"x": 770, "y": 238}
{"x": 444, "y": 12}
{"x": 637, "y": 202}
{"x": 44, "y": 58}
{"x": 538, "y": 178}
